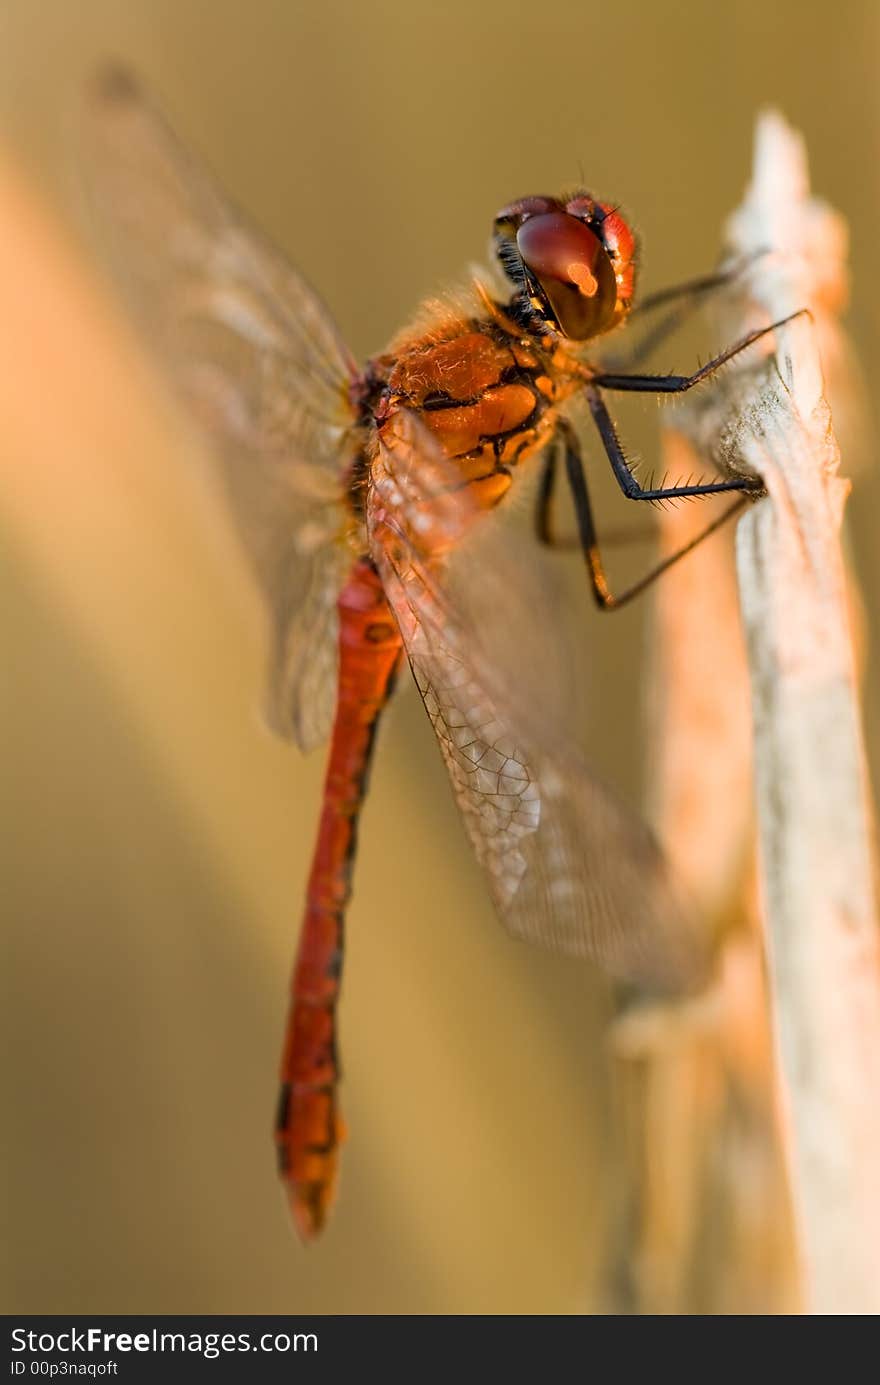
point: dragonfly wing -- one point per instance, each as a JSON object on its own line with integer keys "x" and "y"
{"x": 258, "y": 360}
{"x": 568, "y": 866}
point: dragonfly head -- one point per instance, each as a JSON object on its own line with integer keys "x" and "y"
{"x": 572, "y": 262}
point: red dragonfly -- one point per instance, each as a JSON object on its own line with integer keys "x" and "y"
{"x": 360, "y": 495}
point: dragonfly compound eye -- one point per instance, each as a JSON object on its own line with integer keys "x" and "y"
{"x": 574, "y": 270}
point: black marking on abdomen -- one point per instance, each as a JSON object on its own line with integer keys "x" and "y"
{"x": 282, "y": 1114}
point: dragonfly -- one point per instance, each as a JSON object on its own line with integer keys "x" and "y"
{"x": 360, "y": 495}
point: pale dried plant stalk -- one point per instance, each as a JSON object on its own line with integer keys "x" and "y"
{"x": 815, "y": 822}
{"x": 710, "y": 1230}
{"x": 688, "y": 1068}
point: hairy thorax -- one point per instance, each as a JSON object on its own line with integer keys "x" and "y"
{"x": 487, "y": 394}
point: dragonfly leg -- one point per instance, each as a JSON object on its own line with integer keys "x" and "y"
{"x": 686, "y": 297}
{"x": 545, "y": 530}
{"x": 605, "y": 599}
{"x": 668, "y": 384}
{"x": 677, "y": 384}
{"x": 695, "y": 288}
{"x": 632, "y": 488}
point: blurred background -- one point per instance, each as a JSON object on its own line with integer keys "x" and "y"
{"x": 155, "y": 838}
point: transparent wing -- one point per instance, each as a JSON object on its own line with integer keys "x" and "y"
{"x": 567, "y": 865}
{"x": 257, "y": 358}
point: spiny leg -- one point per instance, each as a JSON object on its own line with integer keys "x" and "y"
{"x": 627, "y": 481}
{"x": 694, "y": 288}
{"x": 604, "y": 597}
{"x": 668, "y": 384}
{"x": 545, "y": 530}
{"x": 677, "y": 384}
{"x": 687, "y": 296}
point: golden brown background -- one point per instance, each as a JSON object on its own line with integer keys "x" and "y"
{"x": 155, "y": 839}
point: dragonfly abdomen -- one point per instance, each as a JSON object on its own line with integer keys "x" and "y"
{"x": 309, "y": 1126}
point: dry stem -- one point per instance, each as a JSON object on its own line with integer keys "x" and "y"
{"x": 768, "y": 415}
{"x": 814, "y": 820}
